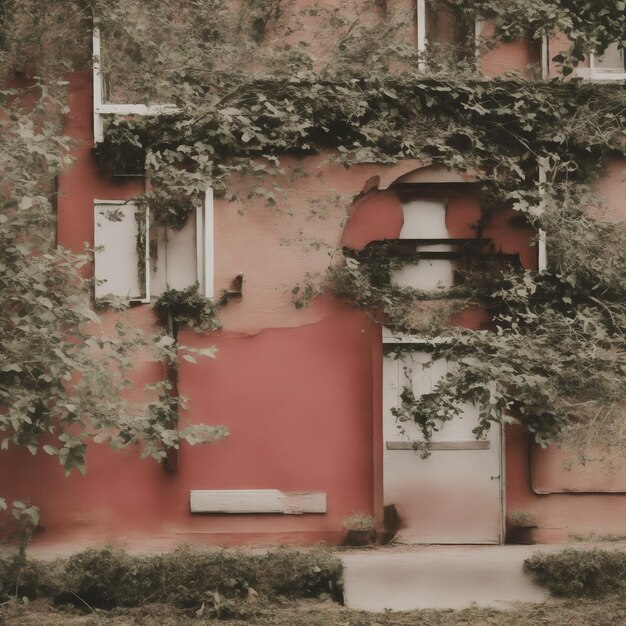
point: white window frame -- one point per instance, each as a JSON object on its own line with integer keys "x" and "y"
{"x": 100, "y": 107}
{"x": 542, "y": 255}
{"x": 589, "y": 73}
{"x": 422, "y": 39}
{"x": 204, "y": 244}
{"x": 598, "y": 73}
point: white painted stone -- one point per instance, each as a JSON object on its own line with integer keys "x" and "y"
{"x": 256, "y": 501}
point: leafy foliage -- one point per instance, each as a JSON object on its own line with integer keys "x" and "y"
{"x": 258, "y": 80}
{"x": 589, "y": 25}
{"x": 187, "y": 306}
{"x": 579, "y": 573}
{"x": 61, "y": 369}
{"x": 107, "y": 577}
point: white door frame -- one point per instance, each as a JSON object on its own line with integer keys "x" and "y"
{"x": 390, "y": 337}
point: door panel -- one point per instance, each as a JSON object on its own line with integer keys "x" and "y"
{"x": 453, "y": 496}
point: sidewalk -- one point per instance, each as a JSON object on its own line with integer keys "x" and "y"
{"x": 402, "y": 578}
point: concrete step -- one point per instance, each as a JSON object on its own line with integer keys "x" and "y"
{"x": 402, "y": 578}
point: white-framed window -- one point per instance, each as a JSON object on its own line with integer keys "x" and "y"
{"x": 610, "y": 65}
{"x": 425, "y": 223}
{"x": 427, "y": 23}
{"x": 101, "y": 107}
{"x": 136, "y": 260}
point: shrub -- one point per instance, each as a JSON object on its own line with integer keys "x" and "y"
{"x": 578, "y": 573}
{"x": 24, "y": 577}
{"x": 191, "y": 577}
{"x": 108, "y": 577}
{"x": 306, "y": 574}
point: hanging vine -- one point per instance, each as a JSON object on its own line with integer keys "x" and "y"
{"x": 239, "y": 122}
{"x": 258, "y": 81}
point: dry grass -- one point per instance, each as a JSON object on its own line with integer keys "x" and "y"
{"x": 609, "y": 611}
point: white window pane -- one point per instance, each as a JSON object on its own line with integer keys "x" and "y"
{"x": 427, "y": 274}
{"x": 612, "y": 60}
{"x": 181, "y": 255}
{"x": 173, "y": 257}
{"x": 119, "y": 240}
{"x": 424, "y": 219}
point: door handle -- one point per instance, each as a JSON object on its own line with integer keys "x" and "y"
{"x": 495, "y": 477}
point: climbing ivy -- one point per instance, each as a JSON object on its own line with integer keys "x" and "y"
{"x": 188, "y": 307}
{"x": 376, "y": 107}
{"x": 254, "y": 81}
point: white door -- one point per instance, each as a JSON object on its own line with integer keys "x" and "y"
{"x": 453, "y": 496}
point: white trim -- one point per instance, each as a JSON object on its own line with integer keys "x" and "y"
{"x": 592, "y": 74}
{"x": 147, "y": 257}
{"x": 392, "y": 337}
{"x": 545, "y": 58}
{"x": 136, "y": 109}
{"x": 420, "y": 16}
{"x": 542, "y": 255}
{"x": 502, "y": 480}
{"x": 208, "y": 252}
{"x": 98, "y": 131}
{"x": 200, "y": 247}
{"x": 120, "y": 202}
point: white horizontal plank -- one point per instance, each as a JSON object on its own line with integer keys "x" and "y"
{"x": 256, "y": 501}
{"x": 136, "y": 109}
{"x": 599, "y": 74}
{"x": 438, "y": 445}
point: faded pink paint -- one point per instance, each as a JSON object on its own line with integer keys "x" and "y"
{"x": 519, "y": 56}
{"x": 283, "y": 436}
{"x": 554, "y": 470}
{"x": 612, "y": 191}
{"x": 300, "y": 391}
{"x": 377, "y": 216}
{"x": 561, "y": 515}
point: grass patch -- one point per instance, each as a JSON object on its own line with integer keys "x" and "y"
{"x": 217, "y": 579}
{"x": 580, "y": 573}
{"x": 557, "y": 612}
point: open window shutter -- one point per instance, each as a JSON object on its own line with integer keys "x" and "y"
{"x": 205, "y": 245}
{"x": 121, "y": 251}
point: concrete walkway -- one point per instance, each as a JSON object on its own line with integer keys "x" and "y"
{"x": 405, "y": 577}
{"x": 401, "y": 578}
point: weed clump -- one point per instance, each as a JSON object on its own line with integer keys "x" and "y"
{"x": 580, "y": 573}
{"x": 21, "y": 577}
{"x": 308, "y": 574}
{"x": 107, "y": 578}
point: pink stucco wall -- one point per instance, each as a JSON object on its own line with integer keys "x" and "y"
{"x": 299, "y": 390}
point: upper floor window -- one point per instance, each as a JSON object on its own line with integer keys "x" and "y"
{"x": 610, "y": 62}
{"x": 136, "y": 260}
{"x": 446, "y": 35}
